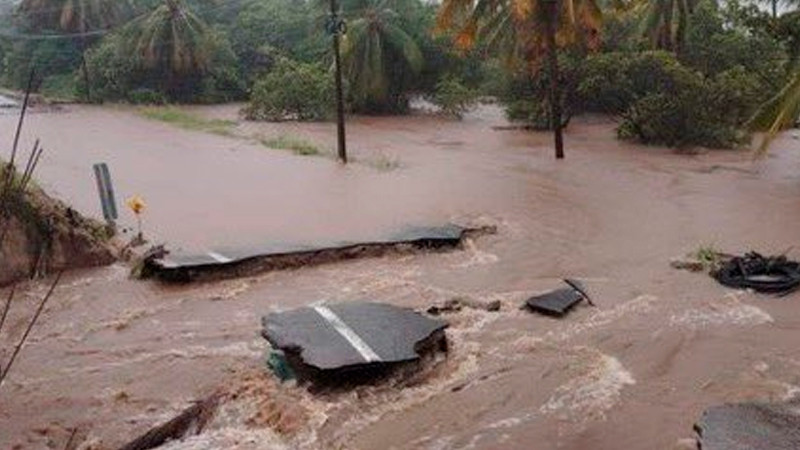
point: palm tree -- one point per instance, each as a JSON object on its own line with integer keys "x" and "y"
{"x": 379, "y": 56}
{"x": 75, "y": 16}
{"x": 526, "y": 31}
{"x": 173, "y": 42}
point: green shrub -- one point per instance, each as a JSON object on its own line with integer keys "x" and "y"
{"x": 527, "y": 97}
{"x": 611, "y": 82}
{"x": 692, "y": 110}
{"x": 662, "y": 101}
{"x": 117, "y": 73}
{"x": 292, "y": 91}
{"x": 113, "y": 70}
{"x": 605, "y": 86}
{"x": 49, "y": 57}
{"x": 453, "y": 98}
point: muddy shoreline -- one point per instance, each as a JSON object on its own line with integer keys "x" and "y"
{"x": 115, "y": 356}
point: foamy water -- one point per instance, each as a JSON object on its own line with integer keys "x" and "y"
{"x": 728, "y": 310}
{"x": 588, "y": 396}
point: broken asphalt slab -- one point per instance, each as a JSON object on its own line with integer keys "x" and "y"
{"x": 750, "y": 426}
{"x": 324, "y": 342}
{"x": 179, "y": 266}
{"x": 557, "y": 303}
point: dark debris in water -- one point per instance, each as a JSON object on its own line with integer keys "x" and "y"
{"x": 750, "y": 426}
{"x": 560, "y": 301}
{"x": 773, "y": 274}
{"x": 457, "y": 304}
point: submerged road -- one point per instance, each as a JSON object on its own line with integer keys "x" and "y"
{"x": 114, "y": 356}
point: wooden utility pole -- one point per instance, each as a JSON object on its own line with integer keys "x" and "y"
{"x": 337, "y": 28}
{"x": 84, "y": 29}
{"x": 552, "y": 57}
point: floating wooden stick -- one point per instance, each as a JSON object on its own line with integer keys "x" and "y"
{"x": 71, "y": 438}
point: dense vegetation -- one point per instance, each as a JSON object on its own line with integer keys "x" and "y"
{"x": 679, "y": 73}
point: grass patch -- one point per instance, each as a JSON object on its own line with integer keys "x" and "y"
{"x": 296, "y": 145}
{"x": 708, "y": 256}
{"x": 188, "y": 121}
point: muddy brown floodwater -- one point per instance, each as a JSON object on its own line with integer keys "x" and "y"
{"x": 113, "y": 356}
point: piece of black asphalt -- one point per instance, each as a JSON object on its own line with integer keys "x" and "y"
{"x": 750, "y": 426}
{"x": 348, "y": 335}
{"x": 422, "y": 237}
{"x": 557, "y": 303}
{"x": 773, "y": 275}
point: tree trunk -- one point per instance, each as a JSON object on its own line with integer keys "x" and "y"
{"x": 680, "y": 35}
{"x": 774, "y": 9}
{"x": 555, "y": 94}
{"x": 342, "y": 141}
{"x": 668, "y": 43}
{"x": 84, "y": 67}
{"x": 85, "y": 70}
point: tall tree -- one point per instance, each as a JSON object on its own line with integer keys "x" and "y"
{"x": 379, "y": 55}
{"x": 173, "y": 42}
{"x": 75, "y": 16}
{"x": 526, "y": 31}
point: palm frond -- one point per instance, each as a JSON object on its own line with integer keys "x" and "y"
{"x": 401, "y": 41}
{"x": 515, "y": 28}
{"x": 778, "y": 113}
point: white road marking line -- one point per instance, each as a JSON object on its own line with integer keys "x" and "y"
{"x": 220, "y": 258}
{"x": 354, "y": 339}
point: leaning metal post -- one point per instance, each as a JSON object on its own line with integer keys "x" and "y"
{"x": 336, "y": 28}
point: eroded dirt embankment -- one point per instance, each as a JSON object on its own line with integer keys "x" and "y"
{"x": 39, "y": 235}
